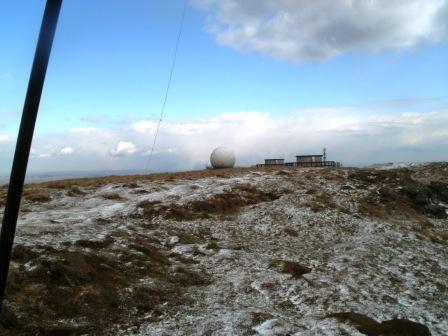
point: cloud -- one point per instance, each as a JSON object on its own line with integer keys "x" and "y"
{"x": 94, "y": 118}
{"x": 9, "y": 112}
{"x": 123, "y": 148}
{"x": 83, "y": 130}
{"x": 352, "y": 135}
{"x": 195, "y": 127}
{"x": 145, "y": 126}
{"x": 303, "y": 30}
{"x": 5, "y": 138}
{"x": 66, "y": 151}
{"x": 406, "y": 102}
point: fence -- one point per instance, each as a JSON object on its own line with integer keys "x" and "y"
{"x": 302, "y": 164}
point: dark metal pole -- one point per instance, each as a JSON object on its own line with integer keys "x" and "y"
{"x": 25, "y": 138}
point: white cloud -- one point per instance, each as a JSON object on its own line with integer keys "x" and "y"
{"x": 191, "y": 128}
{"x": 5, "y": 138}
{"x": 303, "y": 30}
{"x": 351, "y": 135}
{"x": 66, "y": 151}
{"x": 83, "y": 130}
{"x": 94, "y": 118}
{"x": 145, "y": 126}
{"x": 123, "y": 148}
{"x": 9, "y": 112}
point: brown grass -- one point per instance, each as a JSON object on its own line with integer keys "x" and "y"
{"x": 325, "y": 199}
{"x": 220, "y": 205}
{"x": 131, "y": 185}
{"x": 387, "y": 203}
{"x": 36, "y": 195}
{"x": 75, "y": 191}
{"x": 290, "y": 232}
{"x": 3, "y": 193}
{"x": 371, "y": 209}
{"x": 131, "y": 180}
{"x": 311, "y": 191}
{"x": 283, "y": 173}
{"x": 189, "y": 236}
{"x": 112, "y": 196}
{"x": 369, "y": 176}
{"x": 322, "y": 200}
{"x": 442, "y": 235}
{"x": 57, "y": 185}
{"x": 314, "y": 206}
{"x": 73, "y": 290}
{"x": 95, "y": 244}
{"x": 435, "y": 236}
{"x": 213, "y": 246}
{"x": 330, "y": 174}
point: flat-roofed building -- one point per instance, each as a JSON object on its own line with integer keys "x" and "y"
{"x": 268, "y": 162}
{"x": 309, "y": 158}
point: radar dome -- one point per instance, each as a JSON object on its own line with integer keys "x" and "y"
{"x": 222, "y": 157}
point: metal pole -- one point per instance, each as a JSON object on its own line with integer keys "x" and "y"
{"x": 25, "y": 137}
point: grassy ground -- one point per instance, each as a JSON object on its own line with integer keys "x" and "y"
{"x": 233, "y": 252}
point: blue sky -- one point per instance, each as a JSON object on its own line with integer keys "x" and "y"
{"x": 270, "y": 67}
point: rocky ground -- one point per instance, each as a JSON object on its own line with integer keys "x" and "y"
{"x": 234, "y": 252}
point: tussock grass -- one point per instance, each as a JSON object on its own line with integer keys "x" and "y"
{"x": 322, "y": 200}
{"x": 131, "y": 185}
{"x": 36, "y": 195}
{"x": 96, "y": 281}
{"x": 131, "y": 181}
{"x": 412, "y": 201}
{"x": 112, "y": 196}
{"x": 95, "y": 244}
{"x": 290, "y": 232}
{"x": 3, "y": 193}
{"x": 75, "y": 191}
{"x": 58, "y": 185}
{"x": 220, "y": 205}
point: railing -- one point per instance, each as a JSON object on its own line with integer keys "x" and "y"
{"x": 301, "y": 164}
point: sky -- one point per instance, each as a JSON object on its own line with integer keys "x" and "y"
{"x": 273, "y": 78}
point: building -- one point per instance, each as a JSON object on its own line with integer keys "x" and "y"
{"x": 314, "y": 160}
{"x": 309, "y": 158}
{"x": 269, "y": 162}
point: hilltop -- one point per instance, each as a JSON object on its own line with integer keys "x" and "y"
{"x": 310, "y": 251}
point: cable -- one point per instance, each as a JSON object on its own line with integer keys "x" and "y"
{"x": 181, "y": 26}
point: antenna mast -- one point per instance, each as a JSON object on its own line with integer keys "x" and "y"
{"x": 25, "y": 136}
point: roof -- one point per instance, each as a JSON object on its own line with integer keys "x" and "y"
{"x": 309, "y": 155}
{"x": 274, "y": 159}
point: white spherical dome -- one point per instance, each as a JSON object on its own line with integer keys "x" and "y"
{"x": 222, "y": 157}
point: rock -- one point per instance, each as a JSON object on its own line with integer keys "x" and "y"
{"x": 394, "y": 327}
{"x": 66, "y": 330}
{"x": 441, "y": 189}
{"x": 290, "y": 267}
{"x": 436, "y": 211}
{"x": 426, "y": 198}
